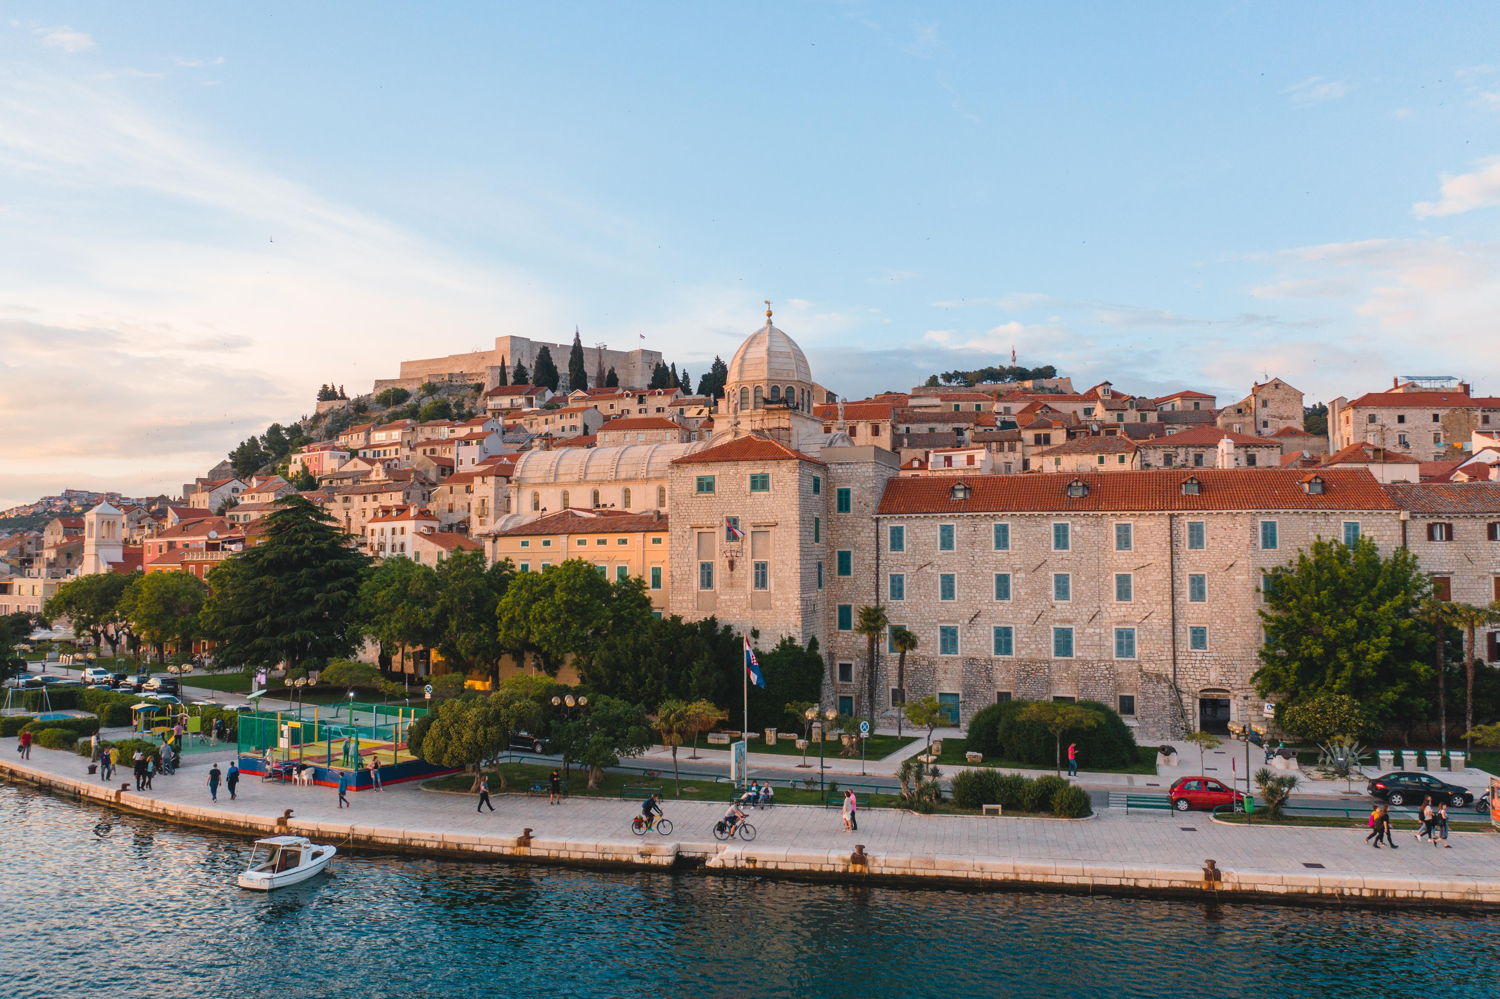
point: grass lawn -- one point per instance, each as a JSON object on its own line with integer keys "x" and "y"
{"x": 877, "y": 747}
{"x": 235, "y": 683}
{"x": 1487, "y": 760}
{"x": 1333, "y": 822}
{"x": 954, "y": 749}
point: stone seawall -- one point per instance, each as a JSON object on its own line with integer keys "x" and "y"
{"x": 1170, "y": 879}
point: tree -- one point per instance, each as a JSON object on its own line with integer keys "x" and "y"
{"x": 397, "y": 601}
{"x": 712, "y": 383}
{"x": 1438, "y": 613}
{"x": 608, "y": 729}
{"x": 519, "y": 375}
{"x": 675, "y": 380}
{"x": 503, "y": 377}
{"x": 348, "y": 674}
{"x": 467, "y": 594}
{"x": 926, "y": 713}
{"x": 327, "y": 393}
{"x": 248, "y": 457}
{"x": 92, "y": 605}
{"x": 164, "y": 607}
{"x": 578, "y": 375}
{"x": 702, "y": 717}
{"x": 1275, "y": 789}
{"x": 792, "y": 672}
{"x": 1324, "y": 717}
{"x": 611, "y": 380}
{"x": 461, "y": 733}
{"x": 393, "y": 396}
{"x": 545, "y": 370}
{"x": 871, "y": 623}
{"x": 660, "y": 377}
{"x": 1315, "y": 419}
{"x": 1343, "y": 620}
{"x": 904, "y": 640}
{"x": 277, "y": 443}
{"x": 674, "y": 720}
{"x": 15, "y": 628}
{"x": 436, "y": 409}
{"x": 1204, "y": 741}
{"x": 304, "y": 481}
{"x": 1471, "y": 618}
{"x": 570, "y": 609}
{"x": 293, "y": 598}
{"x": 1058, "y": 717}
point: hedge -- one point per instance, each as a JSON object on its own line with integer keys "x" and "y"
{"x": 998, "y": 732}
{"x": 60, "y": 699}
{"x": 1072, "y": 802}
{"x": 78, "y": 726}
{"x": 56, "y": 738}
{"x": 973, "y": 788}
{"x": 12, "y": 724}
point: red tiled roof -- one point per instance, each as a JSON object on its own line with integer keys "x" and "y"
{"x": 1438, "y": 471}
{"x": 404, "y": 513}
{"x": 1210, "y": 437}
{"x": 582, "y": 440}
{"x": 856, "y": 410}
{"x": 1414, "y": 400}
{"x": 575, "y": 521}
{"x": 67, "y": 522}
{"x": 1143, "y": 491}
{"x": 1368, "y": 454}
{"x": 1447, "y": 497}
{"x": 507, "y": 390}
{"x": 131, "y": 558}
{"x": 450, "y": 541}
{"x": 1293, "y": 432}
{"x": 641, "y": 423}
{"x": 1184, "y": 394}
{"x": 1112, "y": 444}
{"x": 751, "y": 448}
{"x": 459, "y": 478}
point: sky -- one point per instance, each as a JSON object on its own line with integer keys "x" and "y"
{"x": 207, "y": 211}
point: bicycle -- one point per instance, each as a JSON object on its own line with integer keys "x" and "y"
{"x": 639, "y": 827}
{"x": 743, "y": 829}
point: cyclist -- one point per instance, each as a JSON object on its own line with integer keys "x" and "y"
{"x": 650, "y": 809}
{"x": 732, "y": 818}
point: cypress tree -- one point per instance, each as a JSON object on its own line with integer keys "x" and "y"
{"x": 578, "y": 377}
{"x": 611, "y": 380}
{"x": 520, "y": 376}
{"x": 660, "y": 377}
{"x": 545, "y": 374}
{"x": 686, "y": 382}
{"x": 504, "y": 373}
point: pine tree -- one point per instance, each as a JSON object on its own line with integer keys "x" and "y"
{"x": 578, "y": 377}
{"x": 712, "y": 384}
{"x": 660, "y": 377}
{"x": 675, "y": 382}
{"x": 545, "y": 374}
{"x": 504, "y": 373}
{"x": 686, "y": 382}
{"x": 520, "y": 376}
{"x": 611, "y": 380}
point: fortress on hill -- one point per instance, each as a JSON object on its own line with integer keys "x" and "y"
{"x": 633, "y": 367}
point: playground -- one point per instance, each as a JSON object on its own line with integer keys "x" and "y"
{"x": 318, "y": 744}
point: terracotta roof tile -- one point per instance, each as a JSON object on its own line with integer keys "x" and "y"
{"x": 449, "y": 541}
{"x": 641, "y": 423}
{"x": 1091, "y": 445}
{"x": 1414, "y": 400}
{"x": 751, "y": 448}
{"x": 1210, "y": 437}
{"x": 1447, "y": 497}
{"x": 574, "y": 521}
{"x": 1369, "y": 454}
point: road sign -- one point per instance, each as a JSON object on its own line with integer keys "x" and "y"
{"x": 864, "y": 729}
{"x": 427, "y": 690}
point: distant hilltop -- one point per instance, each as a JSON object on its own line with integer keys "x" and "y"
{"x": 34, "y": 516}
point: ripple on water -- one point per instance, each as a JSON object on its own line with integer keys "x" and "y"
{"x": 152, "y": 910}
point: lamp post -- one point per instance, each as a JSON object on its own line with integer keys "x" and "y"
{"x": 810, "y": 714}
{"x": 828, "y": 715}
{"x": 1245, "y": 718}
{"x": 351, "y": 709}
{"x": 574, "y": 708}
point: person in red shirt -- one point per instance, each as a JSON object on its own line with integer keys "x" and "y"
{"x": 23, "y": 745}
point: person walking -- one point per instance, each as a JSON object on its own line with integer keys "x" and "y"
{"x": 232, "y": 780}
{"x": 138, "y": 767}
{"x": 846, "y": 811}
{"x": 148, "y": 771}
{"x": 1072, "y": 759}
{"x": 1374, "y": 825}
{"x": 214, "y": 774}
{"x": 484, "y": 795}
{"x": 94, "y": 747}
{"x": 375, "y": 773}
{"x": 23, "y": 745}
{"x": 1428, "y": 815}
{"x": 104, "y": 765}
{"x": 554, "y": 788}
{"x": 344, "y": 789}
{"x": 1440, "y": 822}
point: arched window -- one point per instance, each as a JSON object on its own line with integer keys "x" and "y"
{"x": 791, "y": 395}
{"x": 661, "y": 497}
{"x": 536, "y": 501}
{"x": 625, "y": 498}
{"x": 760, "y": 398}
{"x": 744, "y": 397}
{"x": 594, "y": 497}
{"x": 565, "y": 499}
{"x": 775, "y": 393}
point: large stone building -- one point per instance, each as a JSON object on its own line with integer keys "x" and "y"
{"x": 1428, "y": 423}
{"x": 632, "y": 367}
{"x": 1270, "y": 406}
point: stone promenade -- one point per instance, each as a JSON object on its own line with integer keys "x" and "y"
{"x": 1158, "y": 853}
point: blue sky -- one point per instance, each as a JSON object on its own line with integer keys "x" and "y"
{"x": 208, "y": 210}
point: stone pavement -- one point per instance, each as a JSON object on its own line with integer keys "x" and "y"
{"x": 1152, "y": 852}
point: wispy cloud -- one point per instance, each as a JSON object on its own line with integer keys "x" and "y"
{"x": 64, "y": 38}
{"x": 198, "y": 63}
{"x": 1464, "y": 192}
{"x": 924, "y": 41}
{"x": 1012, "y": 300}
{"x": 1316, "y": 90}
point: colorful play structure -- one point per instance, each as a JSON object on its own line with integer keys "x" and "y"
{"x": 332, "y": 740}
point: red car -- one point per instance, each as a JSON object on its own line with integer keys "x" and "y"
{"x": 1202, "y": 792}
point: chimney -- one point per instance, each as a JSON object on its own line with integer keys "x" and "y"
{"x": 1226, "y": 452}
{"x": 1395, "y": 382}
{"x": 1465, "y": 389}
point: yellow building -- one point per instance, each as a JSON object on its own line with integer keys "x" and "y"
{"x": 621, "y": 543}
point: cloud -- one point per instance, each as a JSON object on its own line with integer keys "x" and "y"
{"x": 1013, "y": 300}
{"x": 1316, "y": 90}
{"x": 1303, "y": 288}
{"x": 1465, "y": 192}
{"x": 198, "y": 63}
{"x": 64, "y": 38}
{"x": 924, "y": 41}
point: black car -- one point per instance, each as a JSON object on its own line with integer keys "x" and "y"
{"x": 1407, "y": 788}
{"x": 526, "y": 743}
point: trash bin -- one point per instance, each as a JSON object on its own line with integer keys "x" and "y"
{"x": 1406, "y": 759}
{"x": 1387, "y": 759}
{"x": 770, "y": 737}
{"x": 1431, "y": 759}
{"x": 1457, "y": 760}
{"x": 1249, "y": 804}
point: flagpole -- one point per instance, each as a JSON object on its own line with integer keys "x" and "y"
{"x": 745, "y": 682}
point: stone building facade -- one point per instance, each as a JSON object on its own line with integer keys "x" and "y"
{"x": 633, "y": 367}
{"x": 1270, "y": 406}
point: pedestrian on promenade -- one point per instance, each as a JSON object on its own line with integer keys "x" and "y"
{"x": 554, "y": 788}
{"x": 113, "y": 755}
{"x": 343, "y": 789}
{"x": 148, "y": 770}
{"x": 1441, "y": 823}
{"x": 105, "y": 765}
{"x": 1072, "y": 759}
{"x": 484, "y": 795}
{"x": 375, "y": 772}
{"x": 94, "y": 747}
{"x": 846, "y": 811}
{"x": 1386, "y": 828}
{"x": 1428, "y": 816}
{"x": 1373, "y": 823}
{"x": 214, "y": 774}
{"x": 138, "y": 767}
{"x": 232, "y": 780}
{"x": 23, "y": 745}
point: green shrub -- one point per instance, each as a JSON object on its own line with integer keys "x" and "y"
{"x": 12, "y": 724}
{"x": 56, "y": 738}
{"x": 393, "y": 396}
{"x": 61, "y": 699}
{"x": 1046, "y": 789}
{"x": 983, "y": 735}
{"x": 973, "y": 788}
{"x": 78, "y": 726}
{"x": 1008, "y": 790}
{"x": 1031, "y": 798}
{"x": 1071, "y": 802}
{"x": 1108, "y": 744}
{"x": 127, "y": 748}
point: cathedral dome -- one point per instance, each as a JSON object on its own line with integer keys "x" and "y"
{"x": 768, "y": 356}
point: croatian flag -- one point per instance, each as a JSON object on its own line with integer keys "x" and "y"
{"x": 752, "y": 666}
{"x": 738, "y": 535}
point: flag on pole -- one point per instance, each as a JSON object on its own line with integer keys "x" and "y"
{"x": 1013, "y": 355}
{"x": 752, "y": 666}
{"x": 733, "y": 530}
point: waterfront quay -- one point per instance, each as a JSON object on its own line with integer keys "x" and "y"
{"x": 1157, "y": 854}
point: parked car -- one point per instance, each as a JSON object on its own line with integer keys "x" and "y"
{"x": 527, "y": 743}
{"x": 95, "y": 674}
{"x": 164, "y": 698}
{"x": 119, "y": 677}
{"x": 66, "y": 681}
{"x": 1202, "y": 792}
{"x": 1404, "y": 787}
{"x": 165, "y": 684}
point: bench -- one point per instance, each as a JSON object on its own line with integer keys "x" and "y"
{"x": 1147, "y": 802}
{"x": 991, "y": 809}
{"x": 640, "y": 790}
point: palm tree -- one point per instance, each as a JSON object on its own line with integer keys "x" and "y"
{"x": 1471, "y": 618}
{"x": 904, "y": 640}
{"x": 674, "y": 719}
{"x": 1438, "y": 614}
{"x": 872, "y": 623}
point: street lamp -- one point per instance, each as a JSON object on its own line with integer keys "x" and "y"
{"x": 809, "y": 714}
{"x": 1245, "y": 719}
{"x": 351, "y": 709}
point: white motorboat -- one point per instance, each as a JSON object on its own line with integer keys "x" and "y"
{"x": 278, "y": 861}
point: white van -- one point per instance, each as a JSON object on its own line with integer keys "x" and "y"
{"x": 96, "y": 674}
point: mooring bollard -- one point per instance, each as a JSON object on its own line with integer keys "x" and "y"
{"x": 283, "y": 821}
{"x": 1213, "y": 878}
{"x": 524, "y": 840}
{"x": 859, "y": 858}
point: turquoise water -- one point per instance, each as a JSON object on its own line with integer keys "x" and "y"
{"x": 143, "y": 909}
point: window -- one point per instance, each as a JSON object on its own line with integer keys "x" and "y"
{"x": 603, "y": 570}
{"x": 846, "y": 672}
{"x": 546, "y": 542}
{"x": 1250, "y": 459}
{"x": 843, "y": 499}
{"x": 1062, "y": 586}
{"x": 1492, "y": 530}
{"x": 1062, "y": 537}
{"x": 1442, "y": 587}
{"x": 1004, "y": 640}
{"x": 947, "y": 639}
{"x": 1400, "y": 417}
{"x": 1197, "y": 459}
{"x": 625, "y": 497}
{"x": 1124, "y": 643}
{"x": 1370, "y": 418}
{"x": 820, "y": 574}
{"x": 1198, "y": 639}
{"x": 947, "y": 586}
{"x": 732, "y": 531}
{"x": 656, "y": 541}
{"x": 1437, "y": 440}
{"x": 890, "y": 637}
{"x": 1267, "y": 586}
{"x": 1351, "y": 532}
{"x": 1002, "y": 586}
{"x": 1439, "y": 532}
{"x": 705, "y": 575}
{"x": 817, "y": 485}
{"x": 622, "y": 573}
{"x": 594, "y": 499}
{"x": 1197, "y": 534}
{"x": 661, "y": 496}
{"x": 1268, "y": 538}
{"x": 1002, "y": 537}
{"x": 1124, "y": 587}
{"x": 622, "y": 541}
{"x": 897, "y": 586}
{"x": 1197, "y": 587}
{"x": 1124, "y": 537}
{"x": 1127, "y": 705}
{"x": 844, "y": 566}
{"x": 1062, "y": 643}
{"x": 567, "y": 500}
{"x": 761, "y": 571}
{"x": 817, "y": 530}
{"x": 704, "y": 484}
{"x": 525, "y": 566}
{"x": 945, "y": 537}
{"x": 1002, "y": 697}
{"x": 656, "y": 577}
{"x": 897, "y": 536}
{"x": 525, "y": 543}
{"x": 760, "y": 482}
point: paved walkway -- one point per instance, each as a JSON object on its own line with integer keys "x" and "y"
{"x": 1164, "y": 844}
